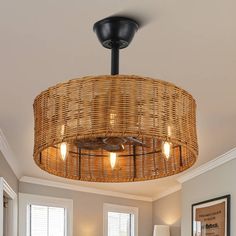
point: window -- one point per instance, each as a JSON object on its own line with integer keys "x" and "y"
{"x": 45, "y": 216}
{"x": 119, "y": 224}
{"x": 120, "y": 220}
{"x": 47, "y": 221}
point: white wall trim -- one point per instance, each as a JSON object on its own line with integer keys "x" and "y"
{"x": 30, "y": 199}
{"x": 167, "y": 192}
{"x": 228, "y": 156}
{"x": 32, "y": 180}
{"x": 12, "y": 208}
{"x": 8, "y": 155}
{"x": 10, "y": 192}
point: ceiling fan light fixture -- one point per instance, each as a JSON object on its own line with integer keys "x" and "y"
{"x": 126, "y": 115}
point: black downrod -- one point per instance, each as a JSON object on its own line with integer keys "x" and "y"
{"x": 115, "y": 33}
{"x": 115, "y": 59}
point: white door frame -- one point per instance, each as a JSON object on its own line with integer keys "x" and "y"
{"x": 12, "y": 208}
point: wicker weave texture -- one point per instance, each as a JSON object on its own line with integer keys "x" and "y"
{"x": 153, "y": 111}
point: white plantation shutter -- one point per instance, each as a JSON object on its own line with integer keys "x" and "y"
{"x": 56, "y": 221}
{"x": 38, "y": 220}
{"x": 119, "y": 224}
{"x": 47, "y": 221}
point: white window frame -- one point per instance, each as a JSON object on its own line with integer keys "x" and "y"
{"x": 25, "y": 200}
{"x": 119, "y": 209}
{"x": 12, "y": 208}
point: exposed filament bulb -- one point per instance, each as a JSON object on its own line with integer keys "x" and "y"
{"x": 113, "y": 158}
{"x": 63, "y": 149}
{"x": 166, "y": 149}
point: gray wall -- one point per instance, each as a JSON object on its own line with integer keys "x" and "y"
{"x": 7, "y": 173}
{"x": 88, "y": 209}
{"x": 167, "y": 211}
{"x": 215, "y": 183}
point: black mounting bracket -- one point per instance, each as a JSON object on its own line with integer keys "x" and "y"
{"x": 115, "y": 33}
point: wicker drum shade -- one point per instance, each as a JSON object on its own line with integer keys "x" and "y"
{"x": 89, "y": 109}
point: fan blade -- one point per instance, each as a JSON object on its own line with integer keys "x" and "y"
{"x": 135, "y": 141}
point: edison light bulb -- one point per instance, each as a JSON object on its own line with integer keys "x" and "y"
{"x": 112, "y": 119}
{"x": 63, "y": 151}
{"x": 112, "y": 159}
{"x": 169, "y": 131}
{"x": 166, "y": 149}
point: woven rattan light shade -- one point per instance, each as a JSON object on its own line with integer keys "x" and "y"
{"x": 89, "y": 109}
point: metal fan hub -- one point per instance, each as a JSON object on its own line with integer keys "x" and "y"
{"x": 110, "y": 144}
{"x": 114, "y": 141}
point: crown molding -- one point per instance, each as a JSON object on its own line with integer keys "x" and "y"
{"x": 228, "y": 156}
{"x": 73, "y": 187}
{"x": 167, "y": 192}
{"x": 189, "y": 175}
{"x": 8, "y": 155}
{"x": 7, "y": 188}
{"x": 11, "y": 159}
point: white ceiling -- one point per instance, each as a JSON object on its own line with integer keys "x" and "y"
{"x": 190, "y": 43}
